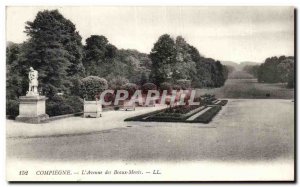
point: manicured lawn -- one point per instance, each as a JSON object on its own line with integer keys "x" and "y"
{"x": 250, "y": 89}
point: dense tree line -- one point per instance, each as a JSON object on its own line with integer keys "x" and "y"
{"x": 105, "y": 60}
{"x": 54, "y": 48}
{"x": 174, "y": 60}
{"x": 274, "y": 70}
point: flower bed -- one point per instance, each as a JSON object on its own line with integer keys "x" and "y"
{"x": 174, "y": 114}
{"x": 207, "y": 116}
{"x": 143, "y": 116}
{"x": 208, "y": 99}
{"x": 181, "y": 113}
{"x": 181, "y": 109}
{"x": 223, "y": 102}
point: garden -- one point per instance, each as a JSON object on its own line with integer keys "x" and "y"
{"x": 73, "y": 74}
{"x": 203, "y": 113}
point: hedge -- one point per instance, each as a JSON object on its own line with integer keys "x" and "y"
{"x": 61, "y": 105}
{"x": 166, "y": 86}
{"x": 130, "y": 87}
{"x": 92, "y": 86}
{"x": 55, "y": 106}
{"x": 148, "y": 86}
{"x": 12, "y": 108}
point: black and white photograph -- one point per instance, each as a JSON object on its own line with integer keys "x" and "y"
{"x": 150, "y": 93}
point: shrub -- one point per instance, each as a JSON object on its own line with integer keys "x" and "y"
{"x": 130, "y": 87}
{"x": 176, "y": 87}
{"x": 148, "y": 86}
{"x": 184, "y": 84}
{"x": 187, "y": 97}
{"x": 55, "y": 109}
{"x": 117, "y": 82}
{"x": 207, "y": 99}
{"x": 12, "y": 108}
{"x": 75, "y": 102}
{"x": 92, "y": 86}
{"x": 109, "y": 97}
{"x": 56, "y": 105}
{"x": 166, "y": 86}
{"x": 60, "y": 105}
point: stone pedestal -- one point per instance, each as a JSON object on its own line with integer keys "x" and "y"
{"x": 32, "y": 109}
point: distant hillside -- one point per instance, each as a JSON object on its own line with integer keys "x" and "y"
{"x": 239, "y": 66}
{"x": 231, "y": 63}
{"x": 248, "y": 63}
{"x": 240, "y": 75}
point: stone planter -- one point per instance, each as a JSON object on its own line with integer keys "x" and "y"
{"x": 92, "y": 109}
{"x": 127, "y": 105}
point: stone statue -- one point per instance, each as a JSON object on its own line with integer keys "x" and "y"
{"x": 33, "y": 82}
{"x": 32, "y": 107}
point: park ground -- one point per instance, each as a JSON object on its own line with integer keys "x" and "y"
{"x": 245, "y": 131}
{"x": 239, "y": 132}
{"x": 250, "y": 89}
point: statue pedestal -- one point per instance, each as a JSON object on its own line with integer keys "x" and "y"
{"x": 32, "y": 109}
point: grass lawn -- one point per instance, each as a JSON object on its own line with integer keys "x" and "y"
{"x": 250, "y": 89}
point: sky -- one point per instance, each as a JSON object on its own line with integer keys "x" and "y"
{"x": 223, "y": 33}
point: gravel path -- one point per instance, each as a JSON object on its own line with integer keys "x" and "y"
{"x": 252, "y": 130}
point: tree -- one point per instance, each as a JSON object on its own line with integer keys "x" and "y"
{"x": 116, "y": 82}
{"x": 203, "y": 75}
{"x": 175, "y": 60}
{"x": 135, "y": 65}
{"x": 163, "y": 56}
{"x": 13, "y": 78}
{"x": 291, "y": 78}
{"x": 185, "y": 67}
{"x": 284, "y": 67}
{"x": 55, "y": 50}
{"x": 268, "y": 71}
{"x": 97, "y": 52}
{"x": 276, "y": 69}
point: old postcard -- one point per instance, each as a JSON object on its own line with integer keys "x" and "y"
{"x": 133, "y": 93}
